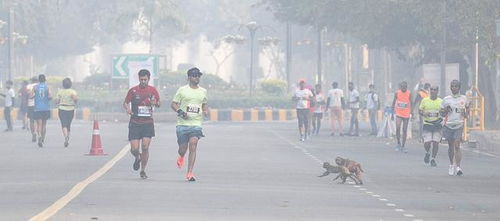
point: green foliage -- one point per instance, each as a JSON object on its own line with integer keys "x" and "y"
{"x": 100, "y": 80}
{"x": 274, "y": 87}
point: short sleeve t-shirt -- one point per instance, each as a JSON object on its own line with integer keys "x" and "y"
{"x": 31, "y": 100}
{"x": 9, "y": 96}
{"x": 335, "y": 96}
{"x": 372, "y": 100}
{"x": 353, "y": 96}
{"x": 66, "y": 101}
{"x": 304, "y": 97}
{"x": 431, "y": 109}
{"x": 457, "y": 104}
{"x": 140, "y": 100}
{"x": 320, "y": 100}
{"x": 191, "y": 101}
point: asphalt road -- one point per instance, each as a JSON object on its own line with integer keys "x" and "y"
{"x": 245, "y": 171}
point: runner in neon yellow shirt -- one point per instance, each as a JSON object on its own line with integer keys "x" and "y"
{"x": 190, "y": 103}
{"x": 431, "y": 131}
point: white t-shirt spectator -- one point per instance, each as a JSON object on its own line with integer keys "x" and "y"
{"x": 303, "y": 97}
{"x": 336, "y": 96}
{"x": 455, "y": 118}
{"x": 353, "y": 96}
{"x": 31, "y": 100}
{"x": 372, "y": 100}
{"x": 9, "y": 95}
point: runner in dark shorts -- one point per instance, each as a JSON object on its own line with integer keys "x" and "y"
{"x": 139, "y": 104}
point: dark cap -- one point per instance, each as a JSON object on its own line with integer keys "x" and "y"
{"x": 194, "y": 72}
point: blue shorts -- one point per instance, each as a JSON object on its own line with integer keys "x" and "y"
{"x": 186, "y": 132}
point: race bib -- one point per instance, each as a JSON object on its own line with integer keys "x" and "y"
{"x": 402, "y": 105}
{"x": 144, "y": 111}
{"x": 433, "y": 114}
{"x": 459, "y": 110}
{"x": 193, "y": 109}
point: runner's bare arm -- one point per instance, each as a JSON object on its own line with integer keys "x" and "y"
{"x": 204, "y": 107}
{"x": 394, "y": 101}
{"x": 175, "y": 106}
{"x": 127, "y": 108}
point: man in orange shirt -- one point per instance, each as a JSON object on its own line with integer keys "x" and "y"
{"x": 402, "y": 108}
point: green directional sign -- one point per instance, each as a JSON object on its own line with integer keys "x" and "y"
{"x": 125, "y": 65}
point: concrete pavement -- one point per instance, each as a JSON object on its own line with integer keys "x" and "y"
{"x": 245, "y": 171}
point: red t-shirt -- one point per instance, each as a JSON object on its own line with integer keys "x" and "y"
{"x": 140, "y": 99}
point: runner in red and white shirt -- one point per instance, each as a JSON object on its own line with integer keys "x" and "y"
{"x": 139, "y": 104}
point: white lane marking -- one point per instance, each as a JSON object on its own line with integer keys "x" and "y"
{"x": 306, "y": 152}
{"x": 481, "y": 152}
{"x": 79, "y": 187}
{"x": 418, "y": 220}
{"x": 408, "y": 215}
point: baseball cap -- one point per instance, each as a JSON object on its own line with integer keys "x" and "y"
{"x": 302, "y": 80}
{"x": 194, "y": 72}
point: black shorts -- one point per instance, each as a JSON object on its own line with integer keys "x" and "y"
{"x": 452, "y": 134}
{"x": 41, "y": 115}
{"x": 66, "y": 117}
{"x": 31, "y": 112}
{"x": 139, "y": 131}
{"x": 303, "y": 117}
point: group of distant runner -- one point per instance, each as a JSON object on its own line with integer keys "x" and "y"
{"x": 438, "y": 118}
{"x": 35, "y": 98}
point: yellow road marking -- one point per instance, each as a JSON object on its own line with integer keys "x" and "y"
{"x": 79, "y": 187}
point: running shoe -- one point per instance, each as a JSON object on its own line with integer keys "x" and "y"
{"x": 180, "y": 162}
{"x": 137, "y": 163}
{"x": 190, "y": 177}
{"x": 451, "y": 170}
{"x": 33, "y": 138}
{"x": 433, "y": 163}
{"x": 404, "y": 149}
{"x": 143, "y": 175}
{"x": 426, "y": 158}
{"x": 66, "y": 141}
{"x": 398, "y": 148}
{"x": 40, "y": 142}
{"x": 459, "y": 171}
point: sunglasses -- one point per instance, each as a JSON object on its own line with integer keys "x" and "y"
{"x": 194, "y": 75}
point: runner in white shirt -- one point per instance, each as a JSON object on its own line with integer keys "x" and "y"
{"x": 31, "y": 109}
{"x": 455, "y": 109}
{"x": 335, "y": 103}
{"x": 303, "y": 98}
{"x": 319, "y": 108}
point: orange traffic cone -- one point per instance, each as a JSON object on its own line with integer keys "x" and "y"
{"x": 96, "y": 147}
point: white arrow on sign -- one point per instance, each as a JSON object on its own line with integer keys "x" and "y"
{"x": 118, "y": 66}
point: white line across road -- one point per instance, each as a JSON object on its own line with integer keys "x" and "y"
{"x": 79, "y": 187}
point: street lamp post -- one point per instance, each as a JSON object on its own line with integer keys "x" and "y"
{"x": 252, "y": 28}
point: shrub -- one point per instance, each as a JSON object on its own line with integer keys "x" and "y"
{"x": 273, "y": 87}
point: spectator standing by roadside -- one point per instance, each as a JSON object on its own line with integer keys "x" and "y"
{"x": 354, "y": 106}
{"x": 9, "y": 96}
{"x": 372, "y": 105}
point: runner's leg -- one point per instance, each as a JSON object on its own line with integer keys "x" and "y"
{"x": 405, "y": 130}
{"x": 435, "y": 149}
{"x": 398, "y": 130}
{"x": 193, "y": 143}
{"x": 145, "y": 152}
